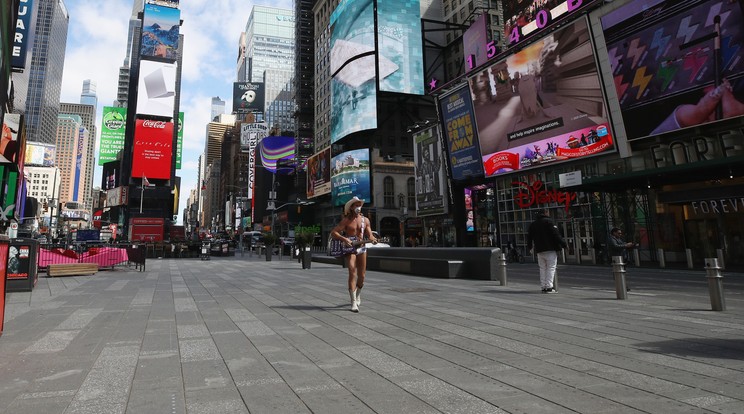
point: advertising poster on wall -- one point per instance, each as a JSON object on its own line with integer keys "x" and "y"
{"x": 153, "y": 149}
{"x": 350, "y": 177}
{"x": 668, "y": 72}
{"x": 113, "y": 127}
{"x": 157, "y": 89}
{"x": 541, "y": 105}
{"x": 248, "y": 97}
{"x": 160, "y": 30}
{"x": 319, "y": 174}
{"x": 179, "y": 146}
{"x": 474, "y": 42}
{"x": 12, "y": 141}
{"x": 353, "y": 68}
{"x": 460, "y": 135}
{"x": 40, "y": 154}
{"x": 250, "y": 136}
{"x": 431, "y": 185}
{"x": 399, "y": 44}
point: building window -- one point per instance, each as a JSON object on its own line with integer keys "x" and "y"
{"x": 411, "y": 190}
{"x": 388, "y": 188}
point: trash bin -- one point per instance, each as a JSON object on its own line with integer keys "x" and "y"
{"x": 4, "y": 245}
{"x": 22, "y": 265}
{"x": 206, "y": 248}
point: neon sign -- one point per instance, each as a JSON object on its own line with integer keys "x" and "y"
{"x": 535, "y": 194}
{"x": 543, "y": 18}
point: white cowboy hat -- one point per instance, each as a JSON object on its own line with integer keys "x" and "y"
{"x": 351, "y": 202}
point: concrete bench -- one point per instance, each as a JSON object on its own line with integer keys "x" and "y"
{"x": 475, "y": 262}
{"x": 72, "y": 269}
{"x": 444, "y": 268}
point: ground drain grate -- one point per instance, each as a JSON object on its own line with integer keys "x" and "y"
{"x": 413, "y": 290}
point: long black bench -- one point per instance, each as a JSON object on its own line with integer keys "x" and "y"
{"x": 476, "y": 262}
{"x": 435, "y": 267}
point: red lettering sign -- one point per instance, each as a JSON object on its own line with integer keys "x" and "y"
{"x": 535, "y": 194}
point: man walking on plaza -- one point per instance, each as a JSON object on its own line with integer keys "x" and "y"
{"x": 354, "y": 227}
{"x": 543, "y": 234}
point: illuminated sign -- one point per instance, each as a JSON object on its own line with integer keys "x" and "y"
{"x": 525, "y": 18}
{"x": 153, "y": 149}
{"x": 531, "y": 195}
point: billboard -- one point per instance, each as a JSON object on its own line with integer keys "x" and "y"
{"x": 350, "y": 176}
{"x": 400, "y": 47}
{"x": 160, "y": 29}
{"x": 668, "y": 72}
{"x": 319, "y": 173}
{"x": 157, "y": 89}
{"x": 250, "y": 136}
{"x": 353, "y": 68}
{"x": 474, "y": 42}
{"x": 431, "y": 183}
{"x": 40, "y": 154}
{"x": 81, "y": 144}
{"x": 113, "y": 126}
{"x": 460, "y": 135}
{"x": 153, "y": 149}
{"x": 12, "y": 141}
{"x": 248, "y": 97}
{"x": 22, "y": 38}
{"x": 179, "y": 138}
{"x": 523, "y": 18}
{"x": 542, "y": 105}
{"x": 164, "y": 3}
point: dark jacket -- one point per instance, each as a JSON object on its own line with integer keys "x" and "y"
{"x": 543, "y": 233}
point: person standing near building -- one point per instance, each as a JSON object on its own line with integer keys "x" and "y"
{"x": 354, "y": 227}
{"x": 617, "y": 246}
{"x": 544, "y": 239}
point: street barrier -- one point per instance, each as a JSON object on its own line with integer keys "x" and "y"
{"x": 715, "y": 284}
{"x": 502, "y": 269}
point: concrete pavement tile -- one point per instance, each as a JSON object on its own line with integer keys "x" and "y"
{"x": 198, "y": 350}
{"x": 53, "y": 341}
{"x": 156, "y": 366}
{"x": 192, "y": 331}
{"x": 215, "y": 401}
{"x": 642, "y": 400}
{"x": 448, "y": 398}
{"x": 39, "y": 404}
{"x": 200, "y": 375}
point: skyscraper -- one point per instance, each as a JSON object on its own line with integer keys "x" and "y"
{"x": 135, "y": 30}
{"x": 88, "y": 96}
{"x": 87, "y": 115}
{"x": 218, "y": 108}
{"x": 45, "y": 74}
{"x": 270, "y": 40}
{"x": 72, "y": 141}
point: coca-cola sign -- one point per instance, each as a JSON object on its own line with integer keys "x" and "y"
{"x": 147, "y": 123}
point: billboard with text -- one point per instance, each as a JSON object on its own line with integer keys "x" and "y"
{"x": 460, "y": 135}
{"x": 41, "y": 154}
{"x": 248, "y": 97}
{"x": 350, "y": 177}
{"x": 431, "y": 184}
{"x": 153, "y": 149}
{"x": 113, "y": 127}
{"x": 319, "y": 173}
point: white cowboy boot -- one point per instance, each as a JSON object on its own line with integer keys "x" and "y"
{"x": 359, "y": 296}
{"x": 354, "y": 306}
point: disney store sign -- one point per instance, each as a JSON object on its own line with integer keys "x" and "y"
{"x": 534, "y": 194}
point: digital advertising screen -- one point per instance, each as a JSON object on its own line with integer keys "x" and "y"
{"x": 400, "y": 46}
{"x": 157, "y": 89}
{"x": 523, "y": 18}
{"x": 113, "y": 127}
{"x": 160, "y": 29}
{"x": 164, "y": 3}
{"x": 319, "y": 173}
{"x": 40, "y": 154}
{"x": 353, "y": 68}
{"x": 431, "y": 184}
{"x": 250, "y": 136}
{"x": 350, "y": 177}
{"x": 12, "y": 142}
{"x": 668, "y": 72}
{"x": 460, "y": 134}
{"x": 248, "y": 97}
{"x": 179, "y": 137}
{"x": 474, "y": 42}
{"x": 541, "y": 105}
{"x": 153, "y": 149}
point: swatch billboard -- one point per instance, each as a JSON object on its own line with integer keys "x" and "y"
{"x": 353, "y": 68}
{"x": 113, "y": 127}
{"x": 460, "y": 134}
{"x": 319, "y": 173}
{"x": 668, "y": 72}
{"x": 542, "y": 105}
{"x": 153, "y": 149}
{"x": 431, "y": 197}
{"x": 160, "y": 30}
{"x": 157, "y": 89}
{"x": 400, "y": 46}
{"x": 350, "y": 177}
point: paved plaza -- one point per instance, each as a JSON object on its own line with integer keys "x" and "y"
{"x": 242, "y": 335}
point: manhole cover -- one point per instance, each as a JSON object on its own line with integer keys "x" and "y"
{"x": 412, "y": 290}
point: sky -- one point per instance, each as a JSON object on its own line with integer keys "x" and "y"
{"x": 96, "y": 48}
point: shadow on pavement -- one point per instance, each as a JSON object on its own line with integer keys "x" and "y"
{"x": 698, "y": 347}
{"x": 311, "y": 307}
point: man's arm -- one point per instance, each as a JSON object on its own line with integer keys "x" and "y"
{"x": 368, "y": 231}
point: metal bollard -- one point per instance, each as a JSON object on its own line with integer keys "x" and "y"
{"x": 618, "y": 272}
{"x": 715, "y": 284}
{"x": 501, "y": 271}
{"x": 555, "y": 279}
{"x": 662, "y": 260}
{"x": 688, "y": 253}
{"x": 719, "y": 254}
{"x": 636, "y": 257}
{"x": 593, "y": 253}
